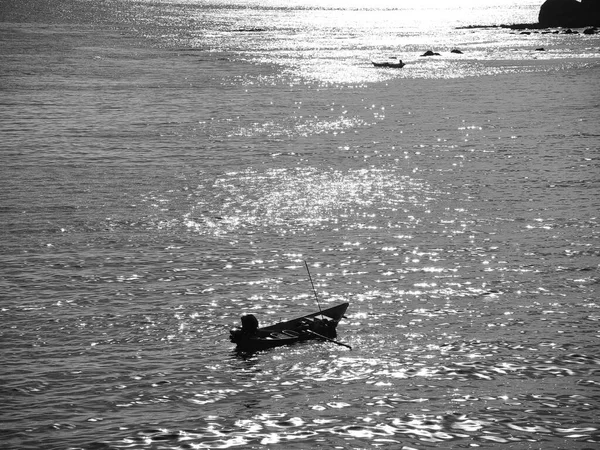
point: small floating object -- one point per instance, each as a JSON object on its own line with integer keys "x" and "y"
{"x": 391, "y": 64}
{"x": 430, "y": 53}
{"x": 250, "y": 30}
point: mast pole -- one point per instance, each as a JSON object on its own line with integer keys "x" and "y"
{"x": 314, "y": 290}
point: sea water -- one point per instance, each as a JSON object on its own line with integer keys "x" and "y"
{"x": 168, "y": 166}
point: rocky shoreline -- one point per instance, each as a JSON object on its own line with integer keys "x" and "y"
{"x": 561, "y": 16}
{"x": 537, "y": 28}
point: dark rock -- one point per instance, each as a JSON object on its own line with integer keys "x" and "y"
{"x": 590, "y": 31}
{"x": 457, "y": 51}
{"x": 541, "y": 49}
{"x": 430, "y": 53}
{"x": 569, "y": 13}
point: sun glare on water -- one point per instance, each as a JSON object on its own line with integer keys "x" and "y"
{"x": 385, "y": 4}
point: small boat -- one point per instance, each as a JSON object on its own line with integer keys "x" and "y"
{"x": 389, "y": 64}
{"x": 316, "y": 326}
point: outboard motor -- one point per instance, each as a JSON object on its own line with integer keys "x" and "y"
{"x": 324, "y": 327}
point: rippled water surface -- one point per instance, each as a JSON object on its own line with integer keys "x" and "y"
{"x": 169, "y": 166}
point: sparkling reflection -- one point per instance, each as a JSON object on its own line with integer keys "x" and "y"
{"x": 283, "y": 200}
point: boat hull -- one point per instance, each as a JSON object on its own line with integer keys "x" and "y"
{"x": 389, "y": 65}
{"x": 315, "y": 326}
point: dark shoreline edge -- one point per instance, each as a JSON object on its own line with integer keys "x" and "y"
{"x": 517, "y": 26}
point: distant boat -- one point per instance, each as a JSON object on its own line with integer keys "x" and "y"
{"x": 390, "y": 64}
{"x": 316, "y": 326}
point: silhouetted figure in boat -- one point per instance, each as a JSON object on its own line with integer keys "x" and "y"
{"x": 249, "y": 324}
{"x": 249, "y": 329}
